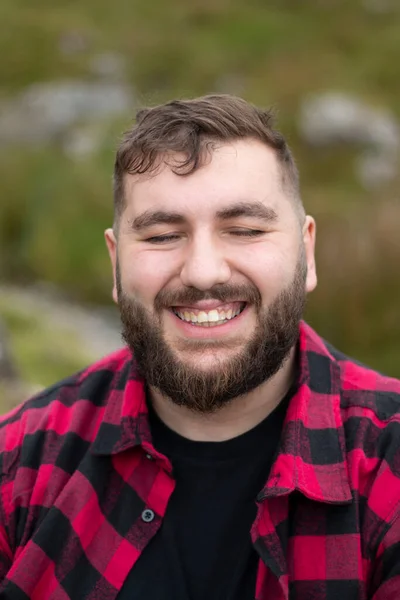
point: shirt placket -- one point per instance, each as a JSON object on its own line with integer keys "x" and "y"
{"x": 111, "y": 553}
{"x": 272, "y": 577}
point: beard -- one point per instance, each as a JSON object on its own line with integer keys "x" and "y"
{"x": 206, "y": 391}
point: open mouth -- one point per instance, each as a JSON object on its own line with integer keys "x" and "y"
{"x": 211, "y": 318}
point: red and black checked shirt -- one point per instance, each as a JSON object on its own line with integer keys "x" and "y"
{"x": 83, "y": 490}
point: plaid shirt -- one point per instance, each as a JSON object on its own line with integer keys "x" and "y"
{"x": 83, "y": 490}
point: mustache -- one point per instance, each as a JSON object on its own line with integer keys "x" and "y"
{"x": 222, "y": 292}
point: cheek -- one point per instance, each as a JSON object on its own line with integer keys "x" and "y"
{"x": 145, "y": 274}
{"x": 268, "y": 268}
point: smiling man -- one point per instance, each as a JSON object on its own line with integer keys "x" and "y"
{"x": 227, "y": 452}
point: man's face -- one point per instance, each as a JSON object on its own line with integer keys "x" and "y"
{"x": 211, "y": 272}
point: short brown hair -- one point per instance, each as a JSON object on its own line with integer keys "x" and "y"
{"x": 191, "y": 127}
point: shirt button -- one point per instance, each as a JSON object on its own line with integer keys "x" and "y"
{"x": 148, "y": 515}
{"x": 149, "y": 456}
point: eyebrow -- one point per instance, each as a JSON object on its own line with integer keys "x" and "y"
{"x": 256, "y": 210}
{"x": 150, "y": 218}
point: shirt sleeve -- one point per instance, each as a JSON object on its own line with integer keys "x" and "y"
{"x": 6, "y": 490}
{"x": 5, "y": 554}
{"x": 386, "y": 572}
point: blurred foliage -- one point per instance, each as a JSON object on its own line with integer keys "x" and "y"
{"x": 53, "y": 208}
{"x": 44, "y": 354}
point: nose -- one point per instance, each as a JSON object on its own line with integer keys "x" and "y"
{"x": 204, "y": 266}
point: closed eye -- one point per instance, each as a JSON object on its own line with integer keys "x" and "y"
{"x": 246, "y": 232}
{"x": 163, "y": 239}
{"x": 173, "y": 237}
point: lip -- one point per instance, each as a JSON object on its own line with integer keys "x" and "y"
{"x": 210, "y": 333}
{"x": 206, "y": 305}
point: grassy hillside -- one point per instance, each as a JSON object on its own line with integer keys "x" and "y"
{"x": 53, "y": 208}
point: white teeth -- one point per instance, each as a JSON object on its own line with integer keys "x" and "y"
{"x": 213, "y": 316}
{"x": 210, "y": 318}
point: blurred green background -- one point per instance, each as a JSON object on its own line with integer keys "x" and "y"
{"x": 72, "y": 73}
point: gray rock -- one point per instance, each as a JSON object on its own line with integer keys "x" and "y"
{"x": 80, "y": 143}
{"x": 376, "y": 169}
{"x": 109, "y": 65}
{"x": 98, "y": 330}
{"x": 334, "y": 118}
{"x": 46, "y": 111}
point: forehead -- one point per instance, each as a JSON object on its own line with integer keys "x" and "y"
{"x": 244, "y": 170}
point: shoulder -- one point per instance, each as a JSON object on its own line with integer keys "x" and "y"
{"x": 366, "y": 413}
{"x": 370, "y": 411}
{"x": 70, "y": 406}
{"x": 370, "y": 408}
{"x": 366, "y": 409}
{"x": 330, "y": 372}
{"x": 363, "y": 388}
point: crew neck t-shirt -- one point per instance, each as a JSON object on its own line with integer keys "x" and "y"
{"x": 203, "y": 550}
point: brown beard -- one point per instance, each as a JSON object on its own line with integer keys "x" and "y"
{"x": 205, "y": 391}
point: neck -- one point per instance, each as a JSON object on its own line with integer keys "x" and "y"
{"x": 238, "y": 416}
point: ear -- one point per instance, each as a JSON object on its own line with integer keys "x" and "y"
{"x": 112, "y": 247}
{"x": 309, "y": 233}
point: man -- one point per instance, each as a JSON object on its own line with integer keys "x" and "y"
{"x": 227, "y": 452}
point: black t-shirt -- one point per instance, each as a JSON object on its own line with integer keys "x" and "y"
{"x": 203, "y": 549}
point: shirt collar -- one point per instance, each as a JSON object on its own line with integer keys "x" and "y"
{"x": 124, "y": 423}
{"x": 312, "y": 453}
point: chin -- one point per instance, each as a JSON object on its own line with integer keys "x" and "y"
{"x": 206, "y": 359}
